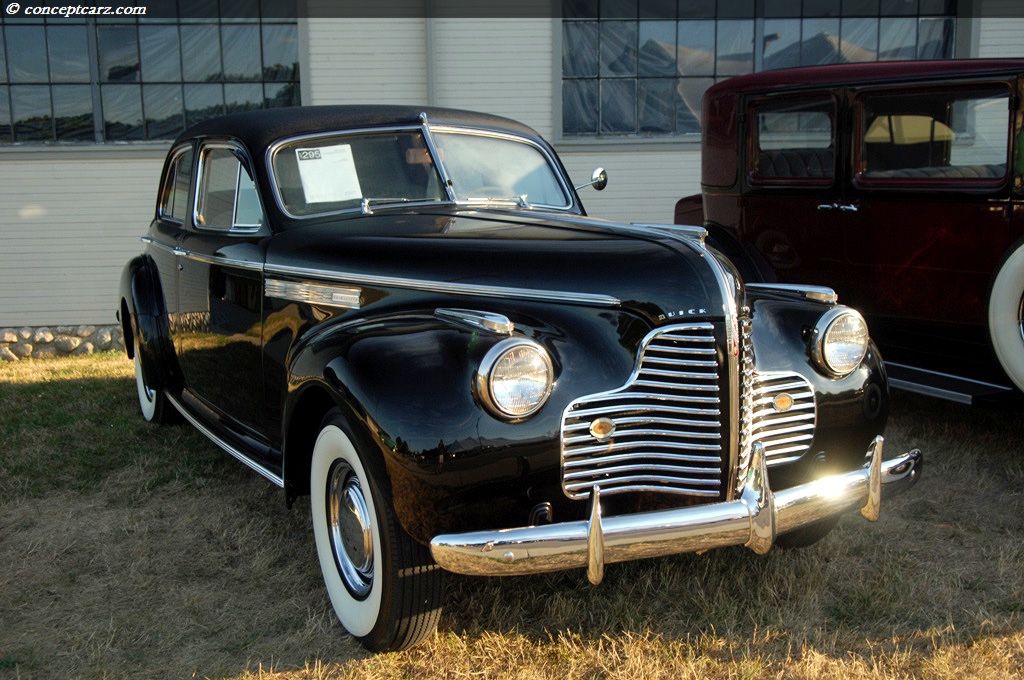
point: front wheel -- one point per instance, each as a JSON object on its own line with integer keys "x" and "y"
{"x": 1005, "y": 312}
{"x": 384, "y": 586}
{"x": 807, "y": 535}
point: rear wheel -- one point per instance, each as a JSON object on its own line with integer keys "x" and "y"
{"x": 384, "y": 586}
{"x": 1005, "y": 312}
{"x": 152, "y": 401}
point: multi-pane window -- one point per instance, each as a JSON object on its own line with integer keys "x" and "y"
{"x": 640, "y": 67}
{"x": 74, "y": 80}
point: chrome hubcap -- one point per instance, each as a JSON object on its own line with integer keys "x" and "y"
{"x": 1020, "y": 317}
{"x": 351, "y": 529}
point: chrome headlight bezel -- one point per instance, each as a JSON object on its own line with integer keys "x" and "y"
{"x": 824, "y": 341}
{"x": 497, "y": 366}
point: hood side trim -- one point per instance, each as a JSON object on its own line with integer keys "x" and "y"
{"x": 471, "y": 289}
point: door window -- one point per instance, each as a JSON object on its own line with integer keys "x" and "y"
{"x": 793, "y": 142}
{"x": 174, "y": 193}
{"x": 956, "y": 137}
{"x": 227, "y": 198}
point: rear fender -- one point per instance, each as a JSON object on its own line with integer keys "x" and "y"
{"x": 143, "y": 317}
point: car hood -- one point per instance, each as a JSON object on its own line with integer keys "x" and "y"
{"x": 509, "y": 255}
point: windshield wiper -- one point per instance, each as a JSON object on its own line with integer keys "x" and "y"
{"x": 512, "y": 201}
{"x": 369, "y": 203}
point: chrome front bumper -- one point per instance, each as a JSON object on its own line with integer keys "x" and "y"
{"x": 753, "y": 520}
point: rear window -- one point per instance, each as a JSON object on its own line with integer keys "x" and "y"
{"x": 793, "y": 141}
{"x": 956, "y": 137}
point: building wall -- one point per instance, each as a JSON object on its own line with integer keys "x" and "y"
{"x": 71, "y": 218}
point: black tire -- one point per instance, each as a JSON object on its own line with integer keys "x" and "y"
{"x": 153, "y": 403}
{"x": 385, "y": 588}
{"x": 1005, "y": 312}
{"x": 808, "y": 535}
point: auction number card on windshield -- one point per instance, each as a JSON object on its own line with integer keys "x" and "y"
{"x": 328, "y": 174}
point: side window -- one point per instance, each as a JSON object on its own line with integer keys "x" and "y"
{"x": 174, "y": 193}
{"x": 227, "y": 198}
{"x": 793, "y": 141}
{"x": 953, "y": 137}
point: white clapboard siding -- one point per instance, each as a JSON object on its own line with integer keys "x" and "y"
{"x": 68, "y": 225}
{"x": 1001, "y": 30}
{"x": 643, "y": 186}
{"x": 500, "y": 66}
{"x": 366, "y": 61}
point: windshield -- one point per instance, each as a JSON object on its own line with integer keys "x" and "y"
{"x": 486, "y": 167}
{"x": 362, "y": 172}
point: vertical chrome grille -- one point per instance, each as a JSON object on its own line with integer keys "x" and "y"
{"x": 667, "y": 423}
{"x": 786, "y": 434}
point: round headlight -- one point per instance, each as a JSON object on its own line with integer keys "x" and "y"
{"x": 840, "y": 341}
{"x": 515, "y": 378}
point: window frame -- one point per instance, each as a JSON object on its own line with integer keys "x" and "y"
{"x": 170, "y": 178}
{"x": 199, "y": 193}
{"x": 753, "y": 135}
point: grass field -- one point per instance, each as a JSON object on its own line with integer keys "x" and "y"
{"x": 133, "y": 551}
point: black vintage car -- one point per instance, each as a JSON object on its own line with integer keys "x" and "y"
{"x": 406, "y": 314}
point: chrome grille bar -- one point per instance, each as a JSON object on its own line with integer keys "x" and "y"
{"x": 786, "y": 434}
{"x": 667, "y": 423}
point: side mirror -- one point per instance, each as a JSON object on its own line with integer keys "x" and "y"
{"x": 598, "y": 180}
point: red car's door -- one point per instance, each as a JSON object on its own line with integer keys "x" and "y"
{"x": 928, "y": 211}
{"x": 792, "y": 184}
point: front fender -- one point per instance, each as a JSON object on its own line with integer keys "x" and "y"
{"x": 851, "y": 411}
{"x": 408, "y": 383}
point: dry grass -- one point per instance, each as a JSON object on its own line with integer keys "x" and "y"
{"x": 135, "y": 551}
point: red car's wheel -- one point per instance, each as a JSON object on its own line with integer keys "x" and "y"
{"x": 1005, "y": 312}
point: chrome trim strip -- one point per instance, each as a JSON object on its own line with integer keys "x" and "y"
{"x": 482, "y": 321}
{"x": 698, "y": 234}
{"x": 196, "y": 423}
{"x": 448, "y": 288}
{"x": 150, "y": 241}
{"x": 220, "y": 261}
{"x": 753, "y": 520}
{"x": 317, "y": 294}
{"x": 815, "y": 293}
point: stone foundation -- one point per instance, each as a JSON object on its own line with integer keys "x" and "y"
{"x": 58, "y": 341}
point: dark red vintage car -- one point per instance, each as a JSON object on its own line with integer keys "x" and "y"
{"x": 900, "y": 185}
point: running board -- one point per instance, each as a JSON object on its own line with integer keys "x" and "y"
{"x": 943, "y": 385}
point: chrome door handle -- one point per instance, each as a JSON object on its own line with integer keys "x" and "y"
{"x": 849, "y": 207}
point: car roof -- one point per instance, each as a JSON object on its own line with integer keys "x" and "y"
{"x": 865, "y": 73}
{"x": 260, "y": 128}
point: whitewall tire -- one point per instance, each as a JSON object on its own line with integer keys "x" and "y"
{"x": 152, "y": 402}
{"x": 1004, "y": 316}
{"x": 384, "y": 587}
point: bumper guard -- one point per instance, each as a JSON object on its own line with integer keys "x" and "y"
{"x": 753, "y": 520}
